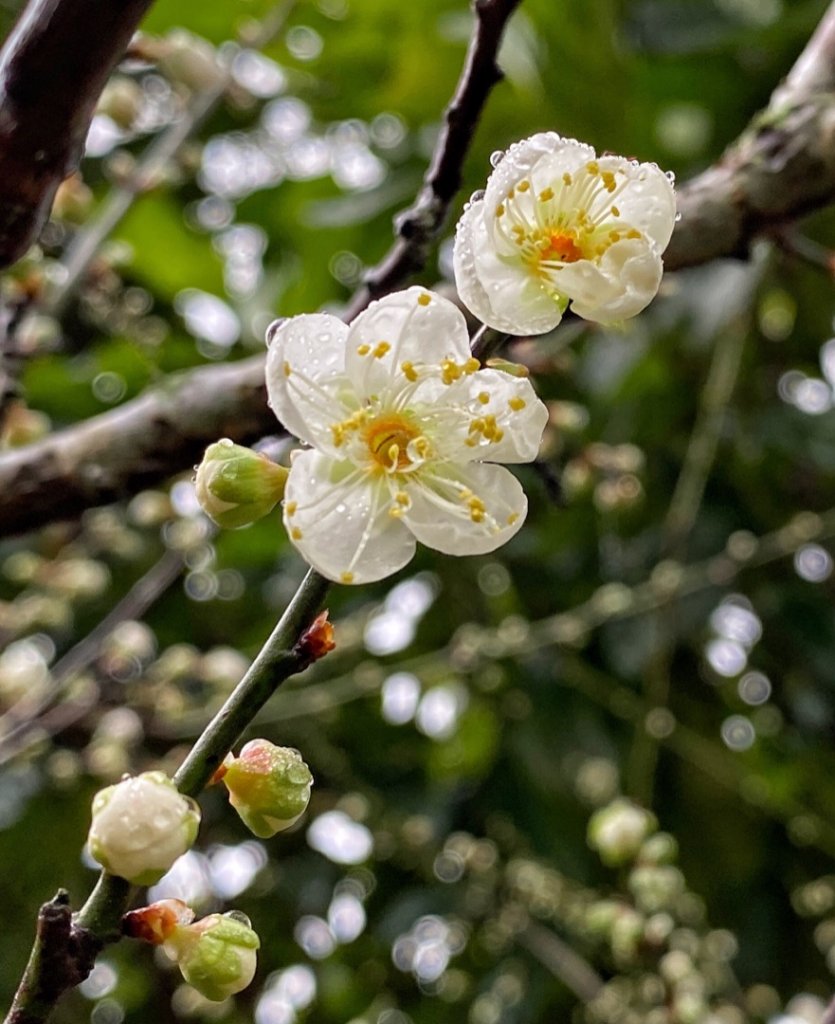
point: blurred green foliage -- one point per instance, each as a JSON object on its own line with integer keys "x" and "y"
{"x": 476, "y": 712}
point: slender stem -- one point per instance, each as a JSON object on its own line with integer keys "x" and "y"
{"x": 278, "y": 659}
{"x": 64, "y": 952}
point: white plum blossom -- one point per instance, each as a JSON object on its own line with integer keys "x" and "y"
{"x": 404, "y": 426}
{"x": 141, "y": 826}
{"x": 558, "y": 224}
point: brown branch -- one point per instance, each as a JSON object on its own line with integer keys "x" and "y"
{"x": 418, "y": 226}
{"x": 118, "y": 453}
{"x": 781, "y": 167}
{"x": 62, "y": 957}
{"x": 52, "y": 70}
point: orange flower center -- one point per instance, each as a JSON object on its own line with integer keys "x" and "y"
{"x": 388, "y": 439}
{"x": 562, "y": 245}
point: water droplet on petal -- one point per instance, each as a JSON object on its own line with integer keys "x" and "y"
{"x": 477, "y": 196}
{"x": 496, "y": 157}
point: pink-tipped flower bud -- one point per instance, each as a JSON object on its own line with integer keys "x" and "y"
{"x": 268, "y": 786}
{"x": 141, "y": 826}
{"x": 236, "y": 486}
{"x": 216, "y": 955}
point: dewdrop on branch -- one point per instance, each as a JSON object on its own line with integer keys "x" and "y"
{"x": 404, "y": 428}
{"x": 217, "y": 955}
{"x": 269, "y": 786}
{"x": 141, "y": 826}
{"x": 558, "y": 225}
{"x": 236, "y": 486}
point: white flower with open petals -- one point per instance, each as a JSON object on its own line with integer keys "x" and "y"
{"x": 557, "y": 224}
{"x": 404, "y": 426}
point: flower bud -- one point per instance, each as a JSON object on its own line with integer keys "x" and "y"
{"x": 216, "y": 955}
{"x": 236, "y": 485}
{"x": 141, "y": 826}
{"x": 268, "y": 786}
{"x": 617, "y": 831}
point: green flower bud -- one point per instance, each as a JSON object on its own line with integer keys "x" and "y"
{"x": 141, "y": 826}
{"x": 268, "y": 786}
{"x": 216, "y": 955}
{"x": 618, "y": 831}
{"x": 236, "y": 485}
{"x": 655, "y": 886}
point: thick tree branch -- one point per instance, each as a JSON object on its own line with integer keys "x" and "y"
{"x": 141, "y": 442}
{"x": 52, "y": 70}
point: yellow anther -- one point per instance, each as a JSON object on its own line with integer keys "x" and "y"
{"x": 512, "y": 518}
{"x": 608, "y": 181}
{"x": 409, "y": 371}
{"x": 498, "y": 436}
{"x": 471, "y": 442}
{"x": 516, "y": 403}
{"x": 567, "y": 179}
{"x": 615, "y": 212}
{"x": 523, "y": 186}
{"x": 338, "y": 432}
{"x": 510, "y": 194}
{"x": 363, "y": 350}
{"x": 424, "y": 299}
{"x": 476, "y": 502}
{"x": 347, "y": 577}
{"x": 593, "y": 167}
{"x": 476, "y": 427}
{"x": 476, "y": 515}
{"x": 381, "y": 350}
{"x": 615, "y": 236}
{"x": 500, "y": 210}
{"x": 633, "y": 233}
{"x": 395, "y": 512}
{"x": 287, "y": 370}
{"x": 450, "y": 371}
{"x": 402, "y": 498}
{"x": 483, "y": 397}
{"x": 546, "y": 194}
{"x": 296, "y": 533}
{"x": 471, "y": 365}
{"x": 290, "y": 508}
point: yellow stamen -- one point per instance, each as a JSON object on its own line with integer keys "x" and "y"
{"x": 296, "y": 533}
{"x": 512, "y": 518}
{"x": 424, "y": 299}
{"x": 287, "y": 370}
{"x": 517, "y": 403}
{"x": 363, "y": 350}
{"x": 347, "y": 577}
{"x": 290, "y": 508}
{"x": 471, "y": 365}
{"x": 381, "y": 350}
{"x": 546, "y": 194}
{"x": 523, "y": 186}
{"x": 567, "y": 179}
{"x": 483, "y": 397}
{"x": 500, "y": 210}
{"x": 409, "y": 371}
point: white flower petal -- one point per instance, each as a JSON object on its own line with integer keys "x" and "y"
{"x": 466, "y": 510}
{"x": 489, "y": 416}
{"x": 550, "y": 154}
{"x": 644, "y": 196}
{"x": 306, "y": 382}
{"x": 502, "y": 294}
{"x": 338, "y": 518}
{"x": 625, "y": 282}
{"x": 413, "y": 327}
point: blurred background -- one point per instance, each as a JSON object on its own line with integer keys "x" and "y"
{"x": 660, "y": 632}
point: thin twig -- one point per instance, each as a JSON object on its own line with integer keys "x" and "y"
{"x": 21, "y": 718}
{"x": 97, "y": 923}
{"x": 418, "y": 226}
{"x": 153, "y": 161}
{"x": 564, "y": 962}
